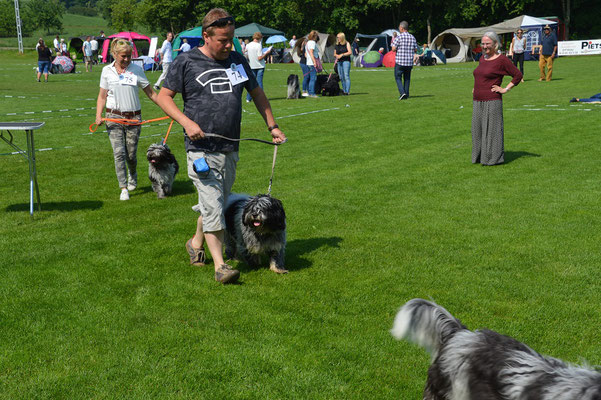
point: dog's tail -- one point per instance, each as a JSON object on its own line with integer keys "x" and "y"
{"x": 426, "y": 324}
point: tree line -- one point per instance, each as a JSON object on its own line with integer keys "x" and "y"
{"x": 426, "y": 17}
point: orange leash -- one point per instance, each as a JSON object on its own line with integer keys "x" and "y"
{"x": 131, "y": 122}
{"x": 168, "y": 131}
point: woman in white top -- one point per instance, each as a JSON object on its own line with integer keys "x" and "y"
{"x": 312, "y": 53}
{"x": 119, "y": 85}
{"x": 516, "y": 50}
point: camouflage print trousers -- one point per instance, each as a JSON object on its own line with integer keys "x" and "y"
{"x": 124, "y": 140}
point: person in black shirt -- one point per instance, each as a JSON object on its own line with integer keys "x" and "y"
{"x": 44, "y": 55}
{"x": 211, "y": 79}
{"x": 343, "y": 52}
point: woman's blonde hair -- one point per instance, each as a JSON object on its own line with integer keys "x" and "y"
{"x": 312, "y": 35}
{"x": 340, "y": 38}
{"x": 119, "y": 45}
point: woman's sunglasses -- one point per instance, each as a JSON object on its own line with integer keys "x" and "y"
{"x": 221, "y": 22}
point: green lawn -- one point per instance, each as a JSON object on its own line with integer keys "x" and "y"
{"x": 97, "y": 299}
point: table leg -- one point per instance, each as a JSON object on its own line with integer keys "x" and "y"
{"x": 33, "y": 179}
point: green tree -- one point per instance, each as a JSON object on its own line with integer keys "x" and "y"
{"x": 170, "y": 15}
{"x": 8, "y": 21}
{"x": 47, "y": 14}
{"x": 123, "y": 14}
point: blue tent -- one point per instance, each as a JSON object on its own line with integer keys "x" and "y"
{"x": 194, "y": 37}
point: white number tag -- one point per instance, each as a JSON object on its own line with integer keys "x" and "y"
{"x": 128, "y": 78}
{"x": 236, "y": 74}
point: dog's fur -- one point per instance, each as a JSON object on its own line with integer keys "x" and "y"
{"x": 256, "y": 226}
{"x": 162, "y": 168}
{"x": 485, "y": 365}
{"x": 331, "y": 86}
{"x": 293, "y": 87}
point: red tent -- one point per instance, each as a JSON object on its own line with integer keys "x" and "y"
{"x": 131, "y": 36}
{"x": 388, "y": 60}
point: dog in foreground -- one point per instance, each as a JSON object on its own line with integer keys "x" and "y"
{"x": 293, "y": 87}
{"x": 162, "y": 168}
{"x": 256, "y": 226}
{"x": 485, "y": 365}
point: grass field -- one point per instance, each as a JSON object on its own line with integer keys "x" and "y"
{"x": 97, "y": 299}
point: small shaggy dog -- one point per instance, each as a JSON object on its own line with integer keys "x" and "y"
{"x": 331, "y": 86}
{"x": 485, "y": 365}
{"x": 293, "y": 87}
{"x": 256, "y": 226}
{"x": 162, "y": 168}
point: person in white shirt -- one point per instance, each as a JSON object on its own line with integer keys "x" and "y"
{"x": 166, "y": 58}
{"x": 185, "y": 47}
{"x": 312, "y": 54}
{"x": 63, "y": 47}
{"x": 292, "y": 41}
{"x": 119, "y": 85}
{"x": 94, "y": 44}
{"x": 256, "y": 59}
{"x": 87, "y": 54}
{"x": 56, "y": 44}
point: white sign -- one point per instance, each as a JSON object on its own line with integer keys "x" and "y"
{"x": 153, "y": 46}
{"x": 579, "y": 47}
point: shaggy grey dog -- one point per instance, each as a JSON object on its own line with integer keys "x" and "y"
{"x": 256, "y": 226}
{"x": 162, "y": 168}
{"x": 485, "y": 365}
{"x": 293, "y": 87}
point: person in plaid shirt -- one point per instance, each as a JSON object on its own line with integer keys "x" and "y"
{"x": 405, "y": 46}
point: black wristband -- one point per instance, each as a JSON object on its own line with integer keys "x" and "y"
{"x": 270, "y": 128}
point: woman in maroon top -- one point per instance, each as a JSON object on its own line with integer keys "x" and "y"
{"x": 487, "y": 116}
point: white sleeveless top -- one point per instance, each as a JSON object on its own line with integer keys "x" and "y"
{"x": 518, "y": 45}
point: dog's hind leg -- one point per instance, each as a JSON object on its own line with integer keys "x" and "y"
{"x": 230, "y": 247}
{"x": 276, "y": 262}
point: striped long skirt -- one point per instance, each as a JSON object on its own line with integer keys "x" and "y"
{"x": 487, "y": 132}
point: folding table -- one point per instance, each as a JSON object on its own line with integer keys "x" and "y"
{"x": 29, "y": 153}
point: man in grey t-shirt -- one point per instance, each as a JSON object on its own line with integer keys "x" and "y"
{"x": 211, "y": 80}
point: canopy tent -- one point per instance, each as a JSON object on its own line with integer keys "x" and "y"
{"x": 456, "y": 43}
{"x": 140, "y": 42}
{"x": 194, "y": 37}
{"x": 374, "y": 42}
{"x": 325, "y": 46}
{"x": 75, "y": 47}
{"x": 250, "y": 29}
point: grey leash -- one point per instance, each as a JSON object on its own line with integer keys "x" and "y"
{"x": 275, "y": 152}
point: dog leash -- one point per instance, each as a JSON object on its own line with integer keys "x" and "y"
{"x": 123, "y": 121}
{"x": 275, "y": 152}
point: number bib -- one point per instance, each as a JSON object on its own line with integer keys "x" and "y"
{"x": 128, "y": 78}
{"x": 236, "y": 74}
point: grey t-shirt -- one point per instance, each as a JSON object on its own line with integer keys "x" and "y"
{"x": 210, "y": 99}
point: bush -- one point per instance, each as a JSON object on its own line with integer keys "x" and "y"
{"x": 86, "y": 11}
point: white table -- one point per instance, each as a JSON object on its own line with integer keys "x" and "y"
{"x": 29, "y": 153}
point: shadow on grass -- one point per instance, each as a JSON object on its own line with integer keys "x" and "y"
{"x": 294, "y": 253}
{"x": 511, "y": 156}
{"x": 59, "y": 206}
{"x": 295, "y": 250}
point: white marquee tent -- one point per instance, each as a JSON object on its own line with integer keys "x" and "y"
{"x": 457, "y": 42}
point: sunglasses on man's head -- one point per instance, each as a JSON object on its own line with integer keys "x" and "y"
{"x": 221, "y": 22}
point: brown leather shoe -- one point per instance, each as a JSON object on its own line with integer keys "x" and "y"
{"x": 197, "y": 256}
{"x": 226, "y": 274}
